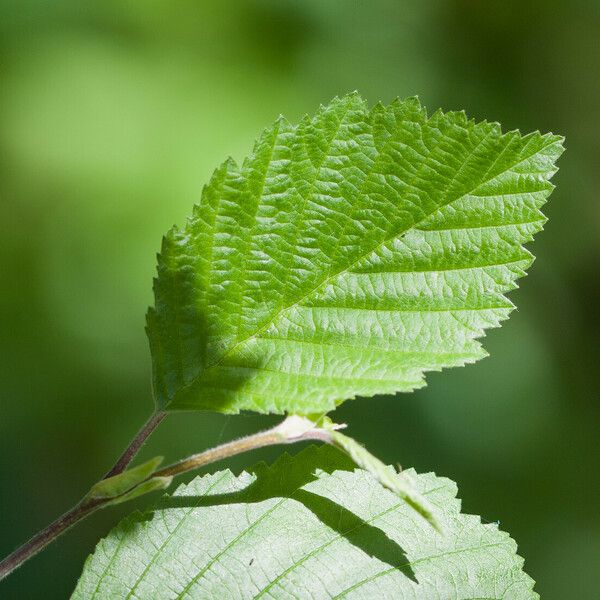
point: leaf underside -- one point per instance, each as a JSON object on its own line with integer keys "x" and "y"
{"x": 347, "y": 255}
{"x": 296, "y": 531}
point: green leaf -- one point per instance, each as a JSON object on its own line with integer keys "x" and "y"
{"x": 114, "y": 486}
{"x": 309, "y": 527}
{"x": 400, "y": 484}
{"x": 151, "y": 485}
{"x": 347, "y": 255}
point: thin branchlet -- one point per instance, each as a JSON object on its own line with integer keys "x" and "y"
{"x": 286, "y": 432}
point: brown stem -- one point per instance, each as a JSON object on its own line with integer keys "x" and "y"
{"x": 270, "y": 437}
{"x": 292, "y": 429}
{"x": 41, "y": 539}
{"x": 44, "y": 537}
{"x": 136, "y": 443}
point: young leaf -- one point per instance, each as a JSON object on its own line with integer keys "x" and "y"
{"x": 346, "y": 256}
{"x": 114, "y": 486}
{"x": 151, "y": 485}
{"x": 295, "y": 530}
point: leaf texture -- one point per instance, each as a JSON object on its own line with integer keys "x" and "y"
{"x": 398, "y": 483}
{"x": 347, "y": 255}
{"x": 309, "y": 527}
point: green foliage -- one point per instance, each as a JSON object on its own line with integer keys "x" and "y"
{"x": 130, "y": 484}
{"x": 122, "y": 482}
{"x": 310, "y": 527}
{"x": 151, "y": 485}
{"x": 346, "y": 256}
{"x": 400, "y": 484}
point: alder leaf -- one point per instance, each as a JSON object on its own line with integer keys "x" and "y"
{"x": 346, "y": 256}
{"x": 309, "y": 527}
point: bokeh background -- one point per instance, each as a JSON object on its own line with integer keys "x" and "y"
{"x": 112, "y": 116}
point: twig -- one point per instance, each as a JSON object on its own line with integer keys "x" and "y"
{"x": 292, "y": 429}
{"x": 136, "y": 443}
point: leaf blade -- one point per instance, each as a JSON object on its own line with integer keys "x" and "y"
{"x": 310, "y": 526}
{"x": 398, "y": 483}
{"x": 347, "y": 256}
{"x": 119, "y": 484}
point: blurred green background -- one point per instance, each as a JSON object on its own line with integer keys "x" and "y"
{"x": 112, "y": 116}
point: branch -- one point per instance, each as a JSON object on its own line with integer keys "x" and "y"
{"x": 44, "y": 537}
{"x": 292, "y": 429}
{"x": 81, "y": 510}
{"x": 135, "y": 445}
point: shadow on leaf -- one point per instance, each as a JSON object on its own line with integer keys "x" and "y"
{"x": 287, "y": 478}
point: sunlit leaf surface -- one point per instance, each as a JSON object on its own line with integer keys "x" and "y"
{"x": 346, "y": 256}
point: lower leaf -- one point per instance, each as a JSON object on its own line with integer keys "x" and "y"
{"x": 310, "y": 526}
